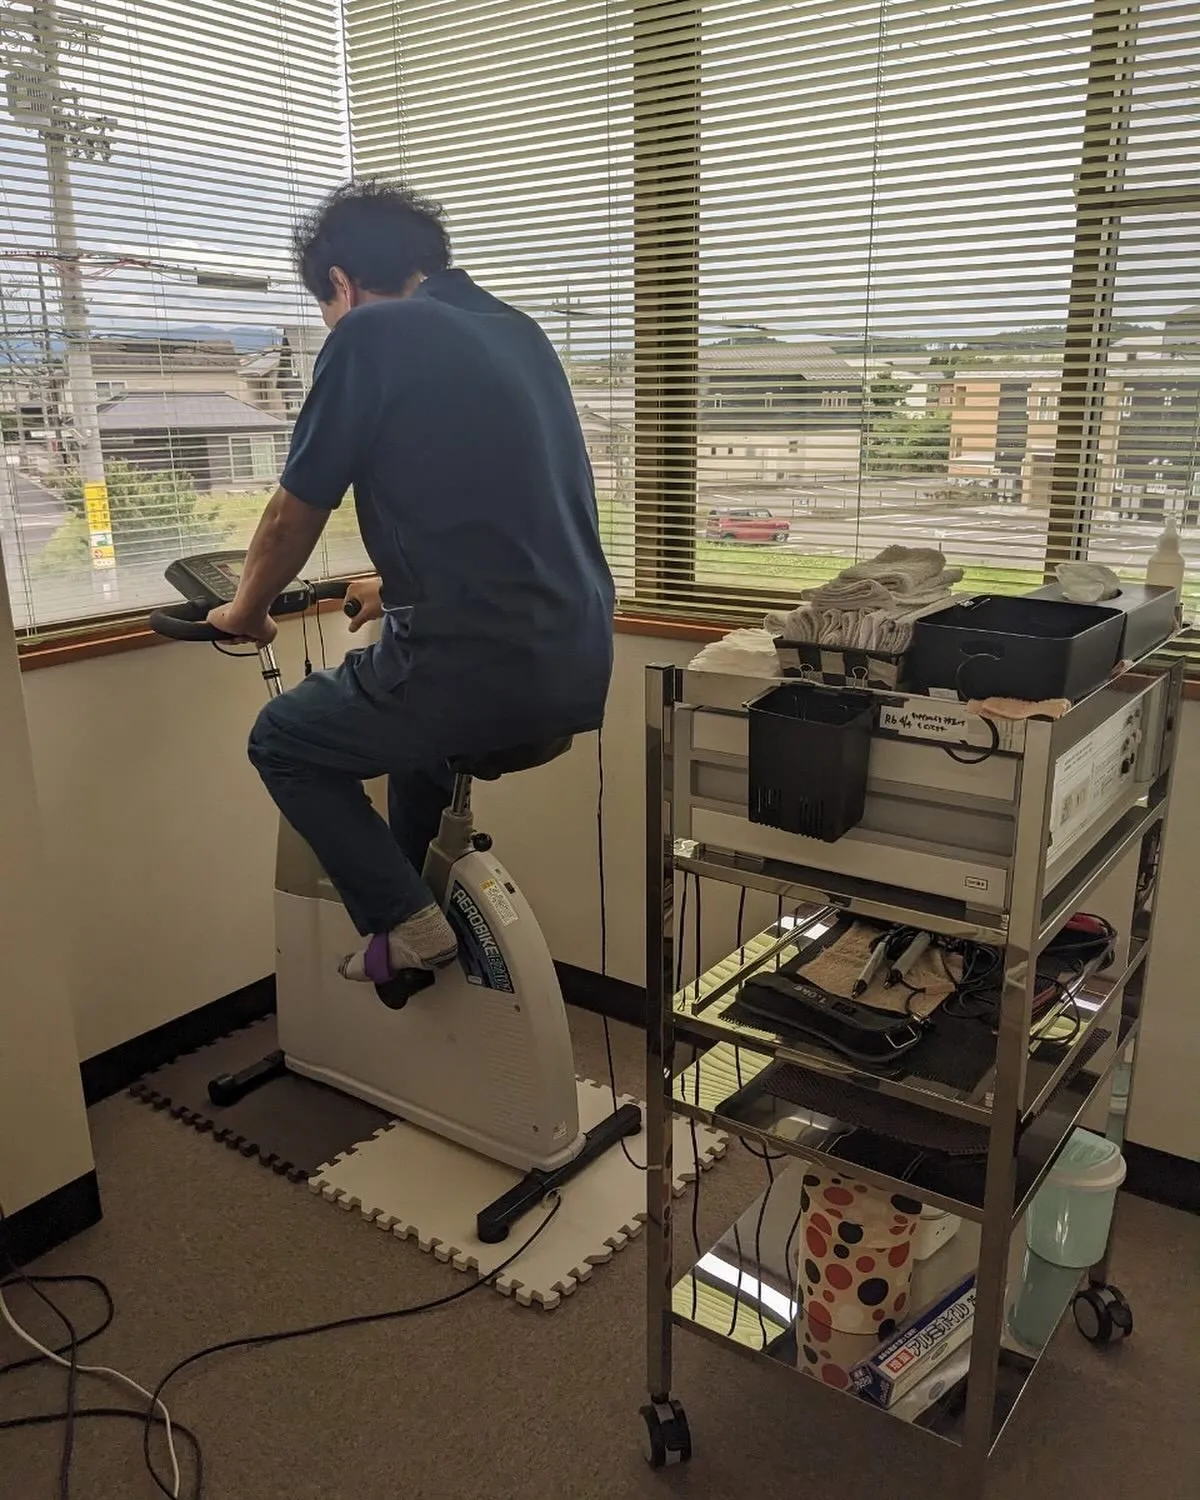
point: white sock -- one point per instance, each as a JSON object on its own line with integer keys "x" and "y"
{"x": 423, "y": 941}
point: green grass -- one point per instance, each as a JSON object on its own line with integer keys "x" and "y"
{"x": 729, "y": 564}
{"x": 239, "y": 512}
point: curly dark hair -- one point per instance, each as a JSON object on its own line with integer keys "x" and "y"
{"x": 378, "y": 232}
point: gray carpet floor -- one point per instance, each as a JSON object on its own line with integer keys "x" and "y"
{"x": 489, "y": 1401}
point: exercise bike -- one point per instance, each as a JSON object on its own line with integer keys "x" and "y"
{"x": 479, "y": 1053}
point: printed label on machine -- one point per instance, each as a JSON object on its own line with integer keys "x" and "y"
{"x": 497, "y": 898}
{"x": 1087, "y": 778}
{"x": 478, "y": 951}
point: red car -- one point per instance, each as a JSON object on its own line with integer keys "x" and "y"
{"x": 746, "y": 524}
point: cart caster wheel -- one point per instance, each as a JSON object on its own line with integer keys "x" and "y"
{"x": 1102, "y": 1315}
{"x": 667, "y": 1439}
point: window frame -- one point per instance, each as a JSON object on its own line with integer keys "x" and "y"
{"x": 667, "y": 130}
{"x": 665, "y": 561}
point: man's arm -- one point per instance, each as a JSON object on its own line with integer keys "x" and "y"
{"x": 283, "y": 542}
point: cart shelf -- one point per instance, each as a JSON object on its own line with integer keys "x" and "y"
{"x": 1000, "y": 846}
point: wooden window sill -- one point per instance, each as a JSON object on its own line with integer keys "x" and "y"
{"x": 134, "y": 635}
{"x": 110, "y": 639}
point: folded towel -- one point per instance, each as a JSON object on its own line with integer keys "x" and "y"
{"x": 848, "y": 594}
{"x": 893, "y": 636}
{"x": 900, "y": 569}
{"x": 919, "y": 611}
{"x": 794, "y": 625}
{"x": 934, "y": 589}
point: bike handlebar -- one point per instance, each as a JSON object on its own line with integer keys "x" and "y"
{"x": 189, "y": 621}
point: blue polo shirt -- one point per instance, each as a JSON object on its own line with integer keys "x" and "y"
{"x": 449, "y": 414}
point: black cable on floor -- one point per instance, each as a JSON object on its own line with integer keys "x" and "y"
{"x": 360, "y": 1320}
{"x": 82, "y": 1413}
{"x": 84, "y": 1338}
{"x": 67, "y": 1451}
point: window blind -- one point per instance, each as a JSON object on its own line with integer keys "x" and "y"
{"x": 518, "y": 117}
{"x": 830, "y": 276}
{"x": 154, "y": 343}
{"x": 823, "y": 276}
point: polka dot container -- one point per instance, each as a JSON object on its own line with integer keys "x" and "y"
{"x": 855, "y": 1265}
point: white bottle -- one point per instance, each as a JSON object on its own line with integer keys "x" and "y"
{"x": 1165, "y": 568}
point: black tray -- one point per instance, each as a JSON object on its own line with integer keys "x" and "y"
{"x": 1149, "y": 615}
{"x": 996, "y": 646}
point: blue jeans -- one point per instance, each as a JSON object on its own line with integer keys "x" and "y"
{"x": 316, "y": 745}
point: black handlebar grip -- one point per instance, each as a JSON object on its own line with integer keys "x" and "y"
{"x": 352, "y": 608}
{"x": 186, "y": 622}
{"x": 330, "y": 588}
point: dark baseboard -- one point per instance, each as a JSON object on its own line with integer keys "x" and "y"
{"x": 1164, "y": 1178}
{"x": 110, "y": 1072}
{"x": 40, "y": 1226}
{"x": 614, "y": 998}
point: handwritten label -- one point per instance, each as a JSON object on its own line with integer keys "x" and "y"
{"x": 920, "y": 721}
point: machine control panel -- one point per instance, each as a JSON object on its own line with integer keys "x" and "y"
{"x": 211, "y": 579}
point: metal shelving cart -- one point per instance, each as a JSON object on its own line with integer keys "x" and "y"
{"x": 997, "y": 836}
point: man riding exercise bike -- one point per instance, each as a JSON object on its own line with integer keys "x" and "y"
{"x": 450, "y": 416}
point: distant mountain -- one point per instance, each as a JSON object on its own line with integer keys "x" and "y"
{"x": 246, "y": 339}
{"x": 1016, "y": 341}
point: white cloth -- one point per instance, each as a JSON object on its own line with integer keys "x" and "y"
{"x": 1087, "y": 582}
{"x": 744, "y": 653}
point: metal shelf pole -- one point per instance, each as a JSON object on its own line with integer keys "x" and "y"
{"x": 661, "y": 690}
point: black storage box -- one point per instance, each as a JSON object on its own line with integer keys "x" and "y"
{"x": 996, "y": 646}
{"x": 809, "y": 749}
{"x": 1149, "y": 613}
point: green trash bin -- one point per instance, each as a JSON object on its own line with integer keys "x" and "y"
{"x": 1071, "y": 1214}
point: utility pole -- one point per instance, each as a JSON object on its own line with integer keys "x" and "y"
{"x": 33, "y": 39}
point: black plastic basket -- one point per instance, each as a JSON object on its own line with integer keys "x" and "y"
{"x": 809, "y": 749}
{"x": 1024, "y": 647}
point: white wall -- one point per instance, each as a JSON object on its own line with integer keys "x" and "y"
{"x": 159, "y": 836}
{"x": 162, "y": 844}
{"x": 44, "y": 1140}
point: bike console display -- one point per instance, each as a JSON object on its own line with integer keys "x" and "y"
{"x": 211, "y": 579}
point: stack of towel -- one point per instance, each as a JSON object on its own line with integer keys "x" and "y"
{"x": 744, "y": 653}
{"x": 871, "y": 606}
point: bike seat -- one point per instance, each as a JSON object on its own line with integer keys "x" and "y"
{"x": 496, "y": 763}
